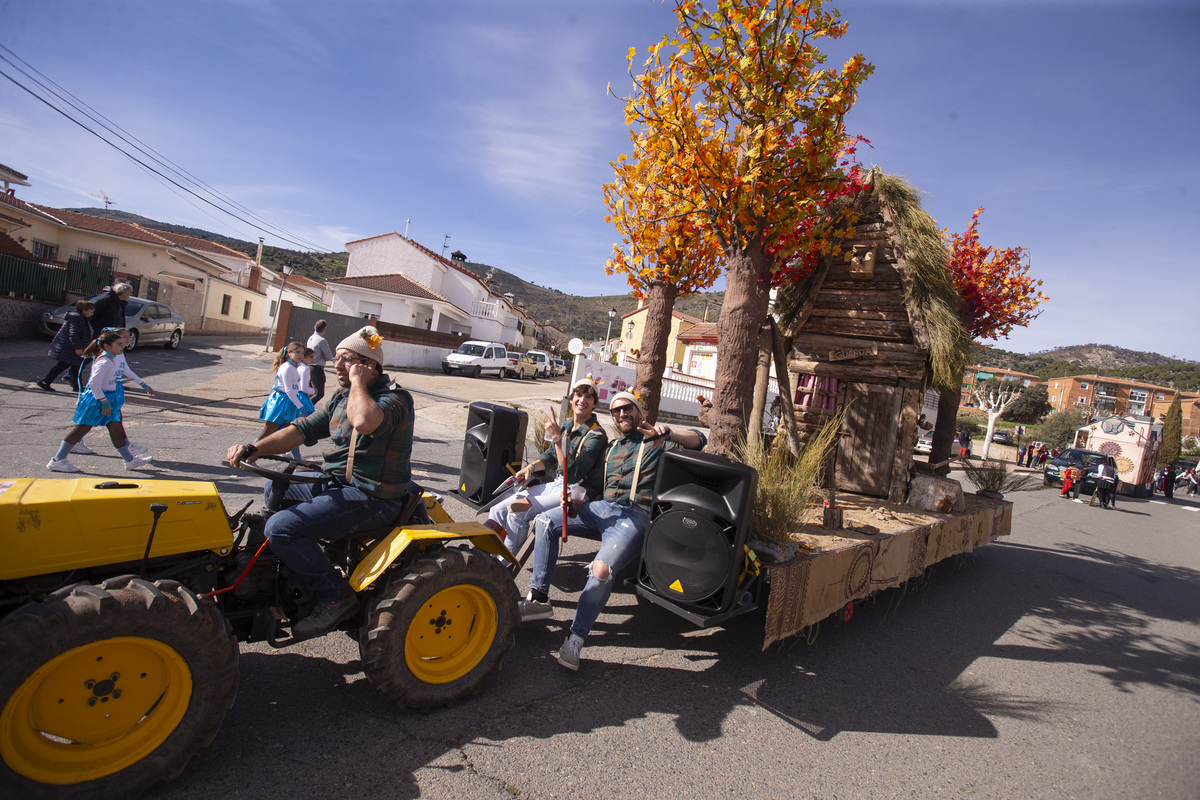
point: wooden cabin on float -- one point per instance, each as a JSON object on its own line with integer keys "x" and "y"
{"x": 871, "y": 328}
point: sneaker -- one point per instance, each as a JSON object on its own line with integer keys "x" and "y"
{"x": 137, "y": 462}
{"x": 325, "y": 617}
{"x": 82, "y": 449}
{"x": 61, "y": 465}
{"x": 43, "y": 385}
{"x": 533, "y": 610}
{"x": 136, "y": 449}
{"x": 568, "y": 654}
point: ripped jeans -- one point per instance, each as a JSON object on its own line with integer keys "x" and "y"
{"x": 621, "y": 529}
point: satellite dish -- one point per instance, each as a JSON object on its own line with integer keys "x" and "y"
{"x": 575, "y": 347}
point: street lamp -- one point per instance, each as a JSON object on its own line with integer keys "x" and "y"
{"x": 287, "y": 270}
{"x": 612, "y": 313}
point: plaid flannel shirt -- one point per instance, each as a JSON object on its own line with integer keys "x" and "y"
{"x": 621, "y": 462}
{"x": 585, "y": 445}
{"x": 382, "y": 459}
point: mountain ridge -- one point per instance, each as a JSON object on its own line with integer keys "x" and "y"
{"x": 587, "y": 316}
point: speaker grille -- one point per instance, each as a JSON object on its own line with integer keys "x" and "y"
{"x": 689, "y": 556}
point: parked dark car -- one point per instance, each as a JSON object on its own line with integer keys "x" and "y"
{"x": 1086, "y": 460}
{"x": 1002, "y": 437}
{"x": 146, "y": 320}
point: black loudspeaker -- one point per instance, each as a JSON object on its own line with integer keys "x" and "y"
{"x": 495, "y": 441}
{"x": 694, "y": 551}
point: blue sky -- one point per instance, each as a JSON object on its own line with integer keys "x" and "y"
{"x": 1076, "y": 125}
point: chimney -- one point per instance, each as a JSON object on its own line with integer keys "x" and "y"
{"x": 256, "y": 270}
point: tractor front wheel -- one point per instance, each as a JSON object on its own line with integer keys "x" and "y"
{"x": 110, "y": 689}
{"x": 439, "y": 631}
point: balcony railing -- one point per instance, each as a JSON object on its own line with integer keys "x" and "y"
{"x": 485, "y": 310}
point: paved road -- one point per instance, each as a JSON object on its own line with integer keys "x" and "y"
{"x": 1063, "y": 661}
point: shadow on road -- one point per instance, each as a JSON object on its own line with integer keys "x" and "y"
{"x": 901, "y": 665}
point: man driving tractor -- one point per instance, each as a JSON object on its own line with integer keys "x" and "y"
{"x": 371, "y": 428}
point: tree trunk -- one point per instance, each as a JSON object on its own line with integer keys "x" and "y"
{"x": 944, "y": 430}
{"x": 784, "y": 378}
{"x": 747, "y": 287}
{"x": 652, "y": 359}
{"x": 762, "y": 381}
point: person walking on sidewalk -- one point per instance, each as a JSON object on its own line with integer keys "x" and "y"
{"x": 67, "y": 347}
{"x": 321, "y": 353}
{"x": 964, "y": 443}
{"x": 101, "y": 402}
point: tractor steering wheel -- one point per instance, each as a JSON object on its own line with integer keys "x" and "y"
{"x": 281, "y": 479}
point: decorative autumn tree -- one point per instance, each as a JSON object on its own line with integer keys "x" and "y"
{"x": 755, "y": 157}
{"x": 1172, "y": 433}
{"x": 997, "y": 296}
{"x": 664, "y": 253}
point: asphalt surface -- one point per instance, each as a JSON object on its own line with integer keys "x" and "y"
{"x": 1062, "y": 661}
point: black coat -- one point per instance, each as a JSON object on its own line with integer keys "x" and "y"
{"x": 109, "y": 313}
{"x": 73, "y": 335}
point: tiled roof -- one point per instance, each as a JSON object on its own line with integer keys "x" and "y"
{"x": 10, "y": 247}
{"x": 111, "y": 227}
{"x": 196, "y": 243}
{"x": 395, "y": 284}
{"x": 701, "y": 330}
{"x": 303, "y": 281}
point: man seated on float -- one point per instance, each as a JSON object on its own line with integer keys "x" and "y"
{"x": 583, "y": 439}
{"x": 620, "y": 518}
{"x": 370, "y": 425}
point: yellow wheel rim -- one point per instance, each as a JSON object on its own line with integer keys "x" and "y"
{"x": 450, "y": 634}
{"x": 95, "y": 710}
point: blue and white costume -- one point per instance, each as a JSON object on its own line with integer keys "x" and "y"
{"x": 104, "y": 383}
{"x": 286, "y": 401}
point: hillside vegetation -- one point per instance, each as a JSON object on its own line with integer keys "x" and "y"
{"x": 1100, "y": 359}
{"x": 587, "y": 317}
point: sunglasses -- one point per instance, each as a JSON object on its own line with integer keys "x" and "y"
{"x": 349, "y": 360}
{"x": 626, "y": 409}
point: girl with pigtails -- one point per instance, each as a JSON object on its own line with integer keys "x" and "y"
{"x": 286, "y": 401}
{"x": 101, "y": 400}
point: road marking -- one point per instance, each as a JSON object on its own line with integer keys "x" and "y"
{"x": 1188, "y": 508}
{"x": 1159, "y": 502}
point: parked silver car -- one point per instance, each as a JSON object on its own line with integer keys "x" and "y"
{"x": 146, "y": 320}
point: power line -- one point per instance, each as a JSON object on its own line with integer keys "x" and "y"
{"x": 270, "y": 228}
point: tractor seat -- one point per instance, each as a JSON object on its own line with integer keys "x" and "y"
{"x": 411, "y": 510}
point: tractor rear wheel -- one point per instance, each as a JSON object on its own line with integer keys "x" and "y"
{"x": 439, "y": 631}
{"x": 110, "y": 689}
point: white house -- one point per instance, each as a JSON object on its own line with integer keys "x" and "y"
{"x": 414, "y": 286}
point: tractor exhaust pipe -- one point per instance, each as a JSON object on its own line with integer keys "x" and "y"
{"x": 157, "y": 509}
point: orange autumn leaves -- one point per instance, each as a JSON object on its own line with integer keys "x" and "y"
{"x": 738, "y": 143}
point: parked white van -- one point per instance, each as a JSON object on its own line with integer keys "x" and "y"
{"x": 542, "y": 359}
{"x": 477, "y": 358}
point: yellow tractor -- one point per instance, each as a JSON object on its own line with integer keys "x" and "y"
{"x": 122, "y": 604}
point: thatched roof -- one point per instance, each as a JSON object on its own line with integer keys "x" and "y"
{"x": 930, "y": 289}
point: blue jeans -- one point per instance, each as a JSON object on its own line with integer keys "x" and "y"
{"x": 328, "y": 511}
{"x": 542, "y": 498}
{"x": 622, "y": 530}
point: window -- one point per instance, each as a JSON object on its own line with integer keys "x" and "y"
{"x": 1083, "y": 384}
{"x": 1081, "y": 400}
{"x": 273, "y": 304}
{"x": 368, "y": 309}
{"x": 246, "y": 310}
{"x": 225, "y": 302}
{"x": 104, "y": 260}
{"x": 45, "y": 250}
{"x": 1161, "y": 396}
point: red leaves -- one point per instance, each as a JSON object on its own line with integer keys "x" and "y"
{"x": 997, "y": 292}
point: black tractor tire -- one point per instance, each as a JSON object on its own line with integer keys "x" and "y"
{"x": 440, "y": 631}
{"x": 137, "y": 675}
